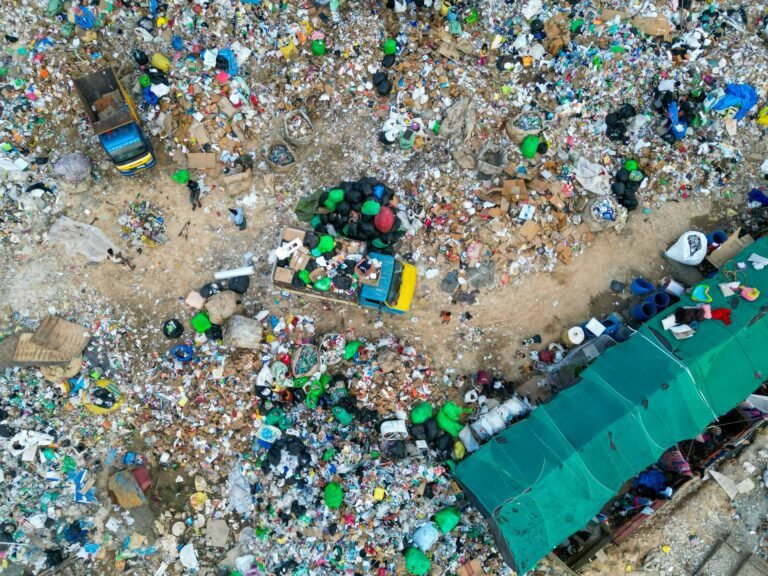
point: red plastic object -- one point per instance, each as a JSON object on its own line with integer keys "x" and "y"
{"x": 141, "y": 474}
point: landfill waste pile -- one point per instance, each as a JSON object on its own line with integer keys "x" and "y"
{"x": 502, "y": 124}
{"x": 308, "y": 454}
{"x": 482, "y": 141}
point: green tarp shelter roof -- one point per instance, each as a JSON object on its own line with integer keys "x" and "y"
{"x": 546, "y": 477}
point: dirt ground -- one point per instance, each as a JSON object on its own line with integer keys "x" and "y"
{"x": 541, "y": 303}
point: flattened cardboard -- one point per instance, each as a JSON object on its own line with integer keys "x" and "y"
{"x": 201, "y": 160}
{"x": 530, "y": 230}
{"x": 59, "y": 335}
{"x": 729, "y": 249}
{"x": 471, "y": 568}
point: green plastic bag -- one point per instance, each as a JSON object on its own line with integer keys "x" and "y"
{"x": 447, "y": 519}
{"x": 299, "y": 382}
{"x": 447, "y": 419}
{"x": 370, "y": 208}
{"x": 342, "y": 415}
{"x": 323, "y": 285}
{"x": 451, "y": 426}
{"x": 145, "y": 81}
{"x": 200, "y": 322}
{"x": 273, "y": 416}
{"x": 416, "y": 562}
{"x": 336, "y": 195}
{"x": 304, "y": 276}
{"x": 389, "y": 46}
{"x": 333, "y": 495}
{"x": 325, "y": 244}
{"x": 379, "y": 243}
{"x": 330, "y": 204}
{"x": 315, "y": 221}
{"x": 421, "y": 412}
{"x": 529, "y": 146}
{"x": 55, "y": 7}
{"x": 350, "y": 349}
{"x": 452, "y": 410}
{"x": 307, "y": 206}
{"x": 181, "y": 176}
{"x": 631, "y": 165}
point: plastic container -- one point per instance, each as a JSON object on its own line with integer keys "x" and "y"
{"x": 573, "y": 336}
{"x": 643, "y": 311}
{"x": 661, "y": 299}
{"x": 160, "y": 62}
{"x": 641, "y": 287}
{"x": 672, "y": 287}
{"x": 716, "y": 237}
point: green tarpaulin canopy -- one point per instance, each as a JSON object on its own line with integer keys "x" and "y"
{"x": 545, "y": 478}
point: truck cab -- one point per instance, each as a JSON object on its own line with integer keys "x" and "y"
{"x": 394, "y": 293}
{"x": 114, "y": 120}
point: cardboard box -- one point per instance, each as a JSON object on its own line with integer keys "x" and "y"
{"x": 317, "y": 274}
{"x": 283, "y": 275}
{"x": 729, "y": 249}
{"x": 290, "y": 234}
{"x": 300, "y": 259}
{"x": 471, "y": 568}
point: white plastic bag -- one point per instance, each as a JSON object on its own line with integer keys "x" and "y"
{"x": 425, "y": 536}
{"x": 690, "y": 249}
{"x": 468, "y": 439}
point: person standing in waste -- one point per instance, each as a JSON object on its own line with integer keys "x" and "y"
{"x": 238, "y": 217}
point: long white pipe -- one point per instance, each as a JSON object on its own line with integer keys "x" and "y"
{"x": 234, "y": 273}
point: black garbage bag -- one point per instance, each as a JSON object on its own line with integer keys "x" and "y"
{"x": 388, "y": 61}
{"x": 432, "y": 429}
{"x": 419, "y": 432}
{"x": 627, "y": 111}
{"x": 295, "y": 446}
{"x": 311, "y": 240}
{"x": 210, "y": 289}
{"x": 444, "y": 444}
{"x": 239, "y": 284}
{"x": 384, "y": 88}
{"x": 622, "y": 175}
{"x": 222, "y": 63}
{"x": 397, "y": 449}
{"x": 173, "y": 328}
{"x": 618, "y": 188}
{"x": 274, "y": 454}
{"x": 342, "y": 282}
{"x": 140, "y": 57}
{"x": 214, "y": 333}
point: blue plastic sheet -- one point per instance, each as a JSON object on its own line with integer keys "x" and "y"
{"x": 230, "y": 56}
{"x": 85, "y": 19}
{"x": 741, "y": 96}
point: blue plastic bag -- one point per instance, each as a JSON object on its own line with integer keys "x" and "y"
{"x": 86, "y": 19}
{"x": 741, "y": 96}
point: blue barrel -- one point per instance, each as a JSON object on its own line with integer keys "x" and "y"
{"x": 716, "y": 237}
{"x": 661, "y": 299}
{"x": 182, "y": 353}
{"x": 646, "y": 309}
{"x": 641, "y": 287}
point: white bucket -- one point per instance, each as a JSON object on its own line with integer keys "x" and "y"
{"x": 673, "y": 287}
{"x": 573, "y": 336}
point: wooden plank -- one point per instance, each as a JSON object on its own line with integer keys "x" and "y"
{"x": 62, "y": 336}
